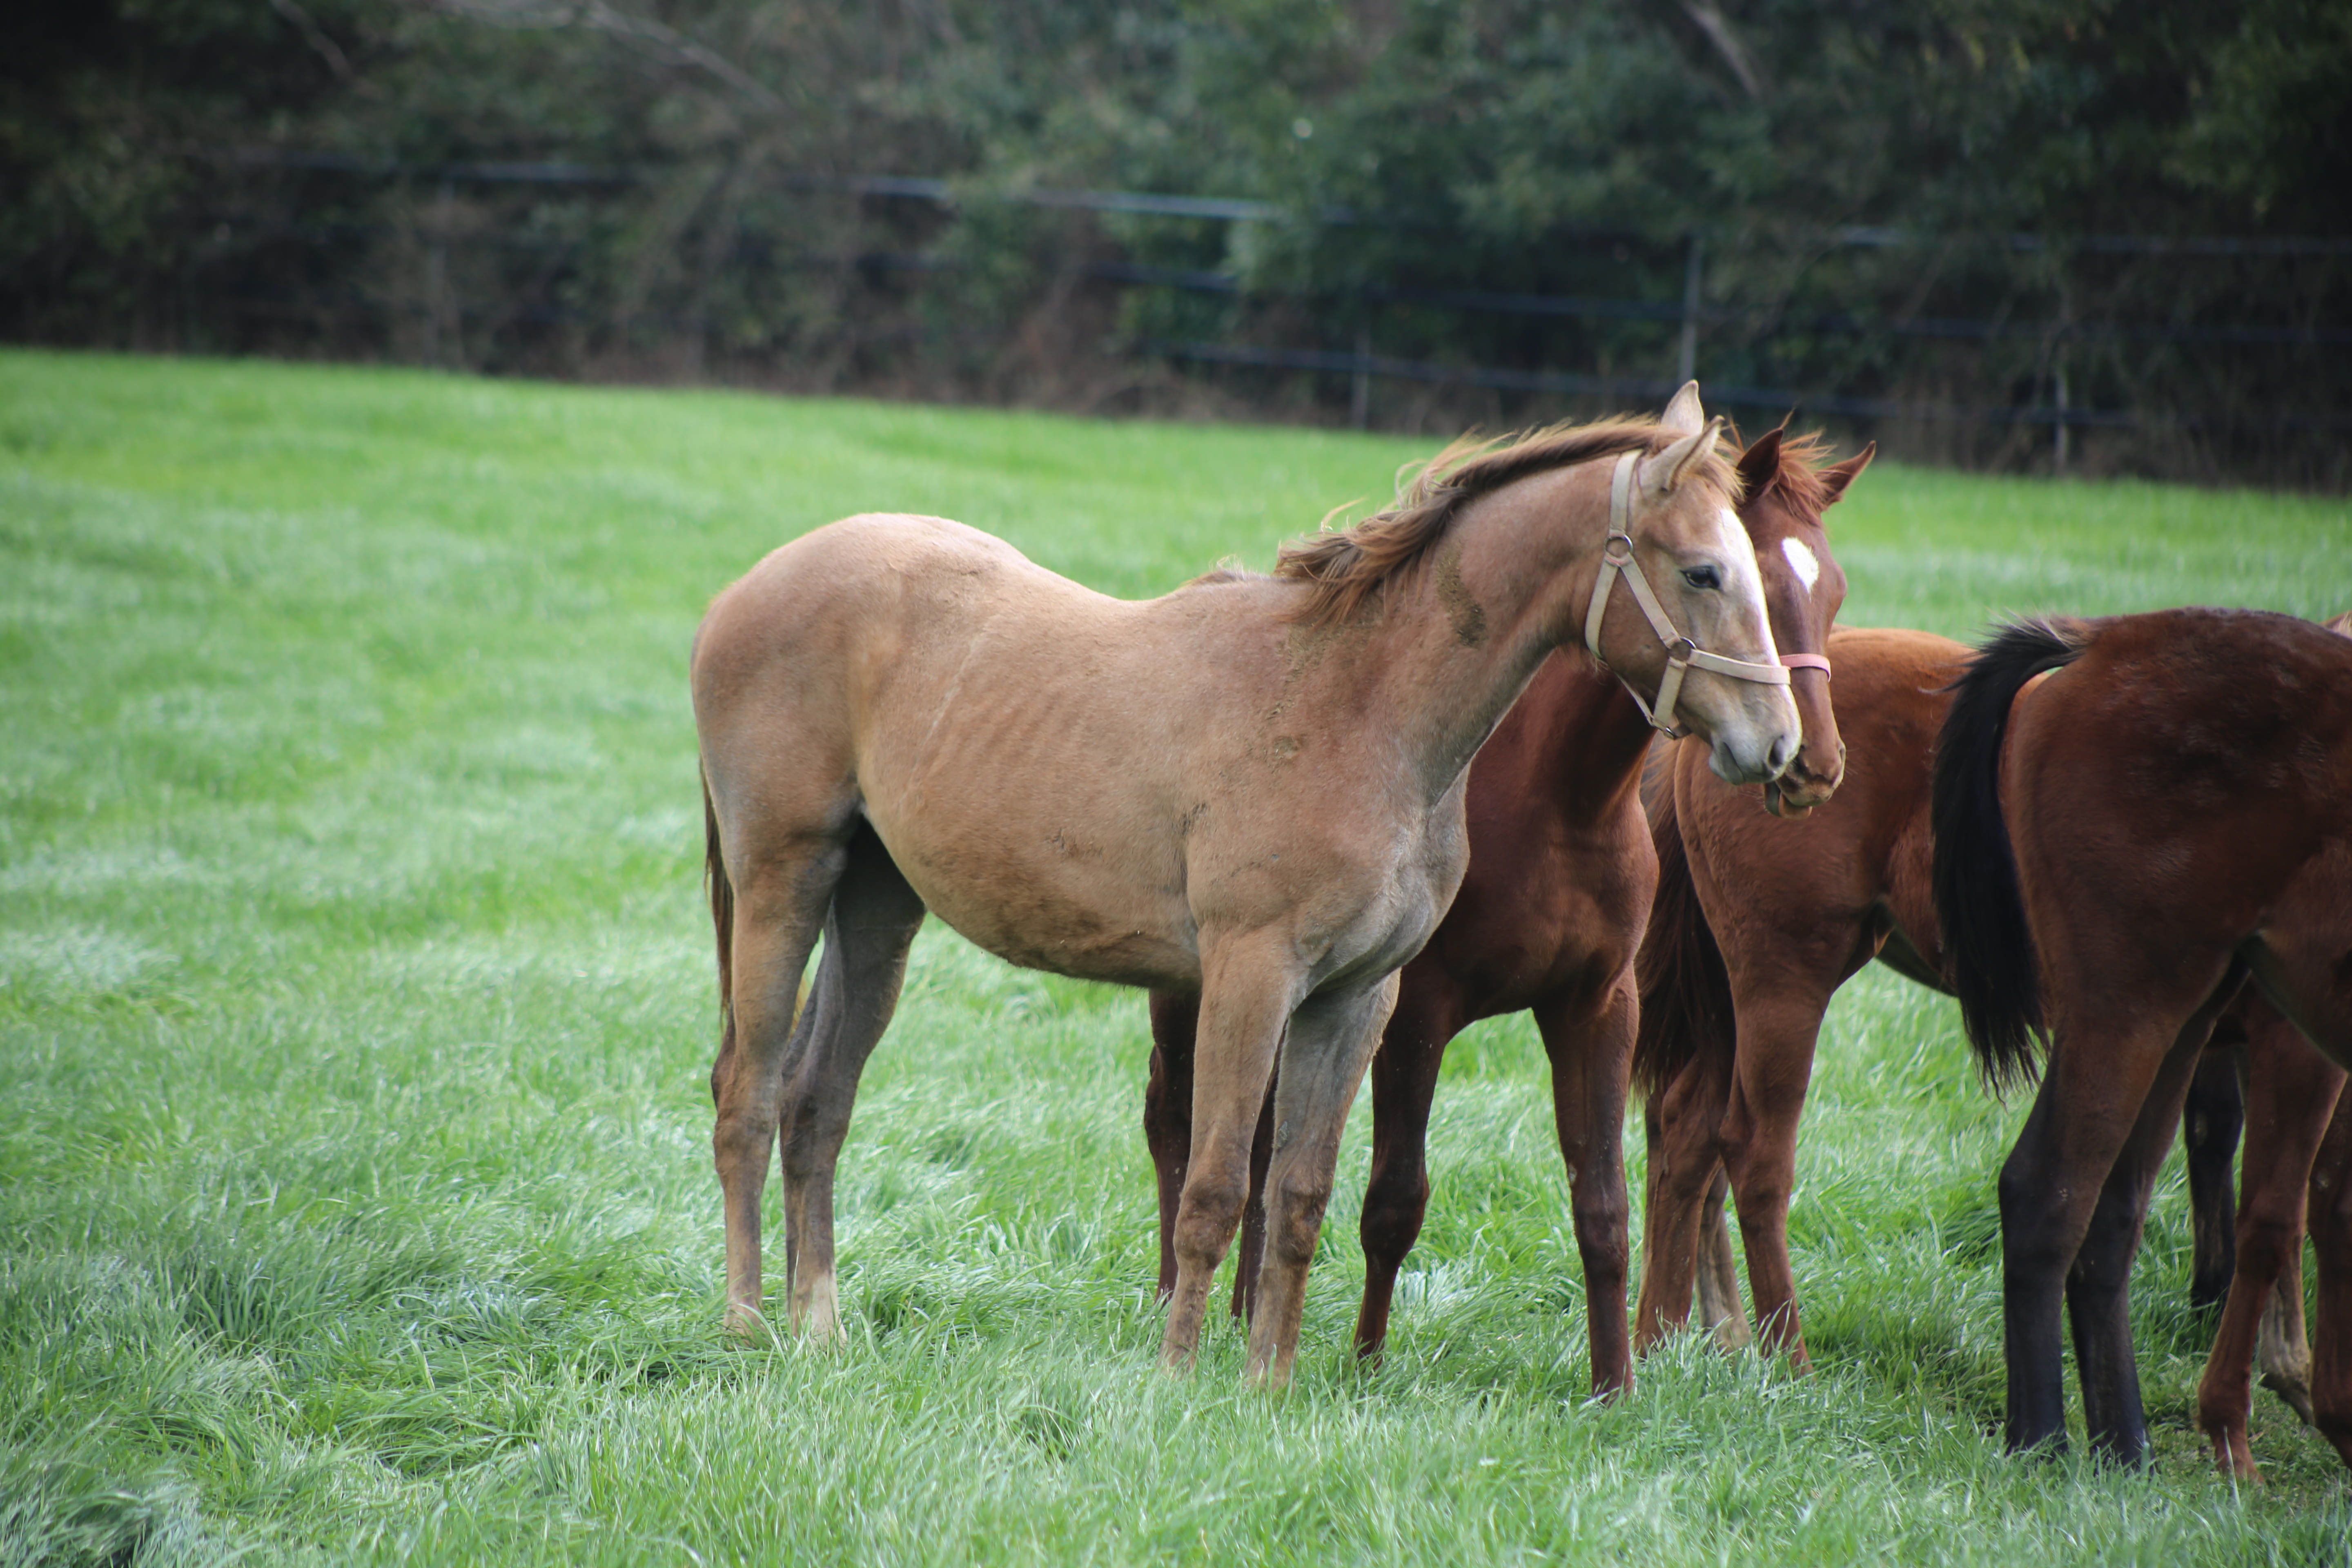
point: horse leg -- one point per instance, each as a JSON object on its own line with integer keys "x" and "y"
{"x": 2280, "y": 1347}
{"x": 2209, "y": 1128}
{"x": 1396, "y": 1195}
{"x": 1168, "y": 1129}
{"x": 2090, "y": 1098}
{"x": 1684, "y": 1119}
{"x": 2290, "y": 1092}
{"x": 1252, "y": 1252}
{"x": 873, "y": 923}
{"x": 2331, "y": 1235}
{"x": 2098, "y": 1285}
{"x": 1245, "y": 997}
{"x": 2304, "y": 970}
{"x": 779, "y": 906}
{"x": 1591, "y": 1058}
{"x": 1168, "y": 1113}
{"x": 1719, "y": 1305}
{"x": 1778, "y": 1030}
{"x": 1323, "y": 1056}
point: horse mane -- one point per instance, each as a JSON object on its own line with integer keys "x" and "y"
{"x": 1226, "y": 571}
{"x": 1343, "y": 568}
{"x": 2341, "y": 626}
{"x": 1798, "y": 476}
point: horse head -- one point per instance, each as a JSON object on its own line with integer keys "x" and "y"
{"x": 1693, "y": 576}
{"x": 1803, "y": 588}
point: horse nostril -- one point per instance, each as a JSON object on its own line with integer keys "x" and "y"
{"x": 1783, "y": 749}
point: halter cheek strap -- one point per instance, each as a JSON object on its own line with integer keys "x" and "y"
{"x": 1617, "y": 559}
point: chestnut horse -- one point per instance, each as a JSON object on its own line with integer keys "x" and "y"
{"x": 1756, "y": 925}
{"x": 1250, "y": 789}
{"x": 2169, "y": 814}
{"x": 1548, "y": 918}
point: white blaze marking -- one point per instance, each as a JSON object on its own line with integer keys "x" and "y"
{"x": 1745, "y": 584}
{"x": 1802, "y": 561}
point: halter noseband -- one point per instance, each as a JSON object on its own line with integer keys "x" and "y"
{"x": 1617, "y": 556}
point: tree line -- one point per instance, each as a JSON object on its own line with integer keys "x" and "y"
{"x": 2135, "y": 216}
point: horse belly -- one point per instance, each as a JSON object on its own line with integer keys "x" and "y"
{"x": 1070, "y": 904}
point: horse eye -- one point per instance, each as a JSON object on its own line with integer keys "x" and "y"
{"x": 1702, "y": 577}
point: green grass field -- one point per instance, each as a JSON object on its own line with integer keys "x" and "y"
{"x": 356, "y": 1010}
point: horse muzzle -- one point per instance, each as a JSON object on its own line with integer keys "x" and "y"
{"x": 1800, "y": 789}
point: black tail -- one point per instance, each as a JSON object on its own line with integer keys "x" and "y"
{"x": 722, "y": 919}
{"x": 1988, "y": 947}
{"x": 1686, "y": 1011}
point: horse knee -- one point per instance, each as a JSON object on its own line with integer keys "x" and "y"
{"x": 1294, "y": 1216}
{"x": 1394, "y": 1202}
{"x": 2033, "y": 1236}
{"x": 810, "y": 1139}
{"x": 1207, "y": 1214}
{"x": 1603, "y": 1223}
{"x": 740, "y": 1137}
{"x": 2266, "y": 1242}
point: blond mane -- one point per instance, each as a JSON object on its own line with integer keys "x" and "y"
{"x": 1346, "y": 568}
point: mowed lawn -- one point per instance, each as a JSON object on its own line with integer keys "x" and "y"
{"x": 356, "y": 1010}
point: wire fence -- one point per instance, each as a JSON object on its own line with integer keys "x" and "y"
{"x": 2056, "y": 347}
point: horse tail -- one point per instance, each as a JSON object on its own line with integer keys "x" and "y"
{"x": 1686, "y": 1011}
{"x": 722, "y": 917}
{"x": 1988, "y": 946}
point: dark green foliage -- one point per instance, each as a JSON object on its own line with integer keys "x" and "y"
{"x": 1502, "y": 146}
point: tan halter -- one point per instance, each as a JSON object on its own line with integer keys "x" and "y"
{"x": 1616, "y": 557}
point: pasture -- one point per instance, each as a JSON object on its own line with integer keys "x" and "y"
{"x": 356, "y": 1011}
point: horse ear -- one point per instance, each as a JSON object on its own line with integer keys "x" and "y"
{"x": 1760, "y": 462}
{"x": 1662, "y": 473}
{"x": 1684, "y": 416}
{"x": 1837, "y": 475}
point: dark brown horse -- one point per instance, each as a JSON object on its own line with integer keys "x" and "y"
{"x": 1547, "y": 919}
{"x": 2169, "y": 813}
{"x": 1756, "y": 925}
{"x": 2298, "y": 1152}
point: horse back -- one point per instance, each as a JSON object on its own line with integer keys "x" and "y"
{"x": 2196, "y": 762}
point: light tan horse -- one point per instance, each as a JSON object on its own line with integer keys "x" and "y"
{"x": 1251, "y": 789}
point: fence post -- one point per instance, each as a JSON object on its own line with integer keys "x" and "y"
{"x": 1360, "y": 395}
{"x": 436, "y": 272}
{"x": 1686, "y": 363}
{"x": 2058, "y": 450}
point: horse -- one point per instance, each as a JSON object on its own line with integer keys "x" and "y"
{"x": 1248, "y": 788}
{"x": 1755, "y": 926}
{"x": 2168, "y": 818}
{"x": 2299, "y": 1147}
{"x": 1548, "y": 918}
{"x": 2299, "y": 1151}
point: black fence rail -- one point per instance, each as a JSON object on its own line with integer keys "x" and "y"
{"x": 2170, "y": 341}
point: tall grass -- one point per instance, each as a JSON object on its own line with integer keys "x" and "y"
{"x": 355, "y": 1008}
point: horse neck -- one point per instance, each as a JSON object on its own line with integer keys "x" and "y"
{"x": 1458, "y": 640}
{"x": 1581, "y": 735}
